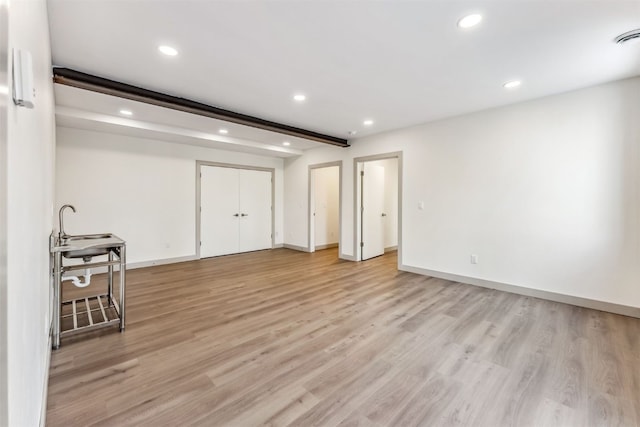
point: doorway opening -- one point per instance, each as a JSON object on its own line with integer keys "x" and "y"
{"x": 378, "y": 205}
{"x": 325, "y": 206}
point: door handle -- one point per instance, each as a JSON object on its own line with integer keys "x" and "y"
{"x": 244, "y": 214}
{"x": 235, "y": 214}
{"x": 384, "y": 214}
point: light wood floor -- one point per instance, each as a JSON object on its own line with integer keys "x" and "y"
{"x": 288, "y": 338}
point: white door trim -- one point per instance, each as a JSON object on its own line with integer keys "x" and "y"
{"x": 310, "y": 194}
{"x": 356, "y": 232}
{"x": 199, "y": 164}
{"x": 4, "y": 284}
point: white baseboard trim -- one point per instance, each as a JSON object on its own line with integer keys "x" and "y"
{"x": 610, "y": 307}
{"x": 142, "y": 264}
{"x": 347, "y": 257}
{"x": 151, "y": 263}
{"x": 295, "y": 247}
{"x": 305, "y": 249}
{"x": 390, "y": 249}
{"x": 327, "y": 246}
{"x": 45, "y": 389}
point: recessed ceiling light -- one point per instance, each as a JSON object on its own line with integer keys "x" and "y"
{"x": 299, "y": 97}
{"x": 4, "y": 89}
{"x": 512, "y": 84}
{"x": 368, "y": 122}
{"x": 126, "y": 113}
{"x": 286, "y": 143}
{"x": 223, "y": 131}
{"x": 470, "y": 21}
{"x": 168, "y": 50}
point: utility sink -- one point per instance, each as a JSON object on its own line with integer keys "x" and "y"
{"x": 87, "y": 246}
{"x": 67, "y": 239}
{"x": 65, "y": 250}
{"x": 86, "y": 253}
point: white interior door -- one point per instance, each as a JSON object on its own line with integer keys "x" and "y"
{"x": 220, "y": 215}
{"x": 255, "y": 210}
{"x": 372, "y": 211}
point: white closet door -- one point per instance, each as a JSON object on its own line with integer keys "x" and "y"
{"x": 219, "y": 219}
{"x": 373, "y": 208}
{"x": 255, "y": 210}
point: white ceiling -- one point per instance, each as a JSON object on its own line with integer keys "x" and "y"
{"x": 84, "y": 109}
{"x": 399, "y": 63}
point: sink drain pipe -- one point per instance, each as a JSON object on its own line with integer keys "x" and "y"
{"x": 76, "y": 280}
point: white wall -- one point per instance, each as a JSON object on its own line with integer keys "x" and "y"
{"x": 140, "y": 189}
{"x": 327, "y": 190}
{"x": 546, "y": 193}
{"x": 27, "y": 203}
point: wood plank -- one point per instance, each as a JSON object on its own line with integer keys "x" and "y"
{"x": 282, "y": 337}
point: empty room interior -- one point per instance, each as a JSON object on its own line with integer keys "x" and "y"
{"x": 320, "y": 213}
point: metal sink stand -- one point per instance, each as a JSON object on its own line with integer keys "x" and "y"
{"x": 96, "y": 309}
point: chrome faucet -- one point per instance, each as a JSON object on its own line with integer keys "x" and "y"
{"x": 61, "y": 233}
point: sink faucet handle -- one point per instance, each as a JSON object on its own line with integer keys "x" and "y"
{"x": 61, "y": 232}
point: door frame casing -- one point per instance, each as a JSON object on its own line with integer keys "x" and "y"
{"x": 357, "y": 251}
{"x": 199, "y": 164}
{"x": 4, "y": 284}
{"x": 310, "y": 193}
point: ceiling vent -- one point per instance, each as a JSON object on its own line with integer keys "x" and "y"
{"x": 629, "y": 35}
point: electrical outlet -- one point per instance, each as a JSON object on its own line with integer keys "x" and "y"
{"x": 474, "y": 259}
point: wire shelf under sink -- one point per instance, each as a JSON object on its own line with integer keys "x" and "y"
{"x": 89, "y": 312}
